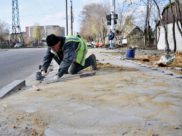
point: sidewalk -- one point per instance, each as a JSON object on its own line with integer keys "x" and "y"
{"x": 116, "y": 101}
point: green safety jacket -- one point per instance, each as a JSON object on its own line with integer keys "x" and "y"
{"x": 80, "y": 52}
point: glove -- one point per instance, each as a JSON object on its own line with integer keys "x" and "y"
{"x": 43, "y": 74}
{"x": 52, "y": 80}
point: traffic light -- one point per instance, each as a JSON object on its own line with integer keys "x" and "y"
{"x": 115, "y": 17}
{"x": 108, "y": 17}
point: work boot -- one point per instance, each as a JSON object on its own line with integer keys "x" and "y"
{"x": 94, "y": 63}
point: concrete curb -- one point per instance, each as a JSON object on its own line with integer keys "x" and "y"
{"x": 11, "y": 87}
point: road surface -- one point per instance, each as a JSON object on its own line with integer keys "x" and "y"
{"x": 18, "y": 64}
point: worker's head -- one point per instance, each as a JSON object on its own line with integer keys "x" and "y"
{"x": 53, "y": 42}
{"x": 77, "y": 33}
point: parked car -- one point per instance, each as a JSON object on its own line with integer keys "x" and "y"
{"x": 92, "y": 45}
{"x": 17, "y": 45}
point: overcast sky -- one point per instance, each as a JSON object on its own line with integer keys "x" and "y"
{"x": 46, "y": 12}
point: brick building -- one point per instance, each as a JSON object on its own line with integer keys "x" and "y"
{"x": 46, "y": 30}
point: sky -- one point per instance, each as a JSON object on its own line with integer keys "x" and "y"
{"x": 47, "y": 12}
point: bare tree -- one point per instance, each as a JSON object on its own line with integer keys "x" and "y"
{"x": 4, "y": 31}
{"x": 157, "y": 36}
{"x": 178, "y": 17}
{"x": 173, "y": 28}
{"x": 166, "y": 39}
{"x": 93, "y": 21}
{"x": 125, "y": 17}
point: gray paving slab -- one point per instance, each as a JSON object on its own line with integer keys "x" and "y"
{"x": 12, "y": 86}
{"x": 113, "y": 102}
{"x": 178, "y": 68}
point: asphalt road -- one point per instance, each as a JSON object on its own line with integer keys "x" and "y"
{"x": 18, "y": 64}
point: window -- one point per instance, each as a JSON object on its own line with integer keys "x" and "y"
{"x": 163, "y": 18}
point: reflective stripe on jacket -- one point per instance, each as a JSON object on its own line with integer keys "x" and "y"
{"x": 80, "y": 52}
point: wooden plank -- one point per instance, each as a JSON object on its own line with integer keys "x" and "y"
{"x": 35, "y": 88}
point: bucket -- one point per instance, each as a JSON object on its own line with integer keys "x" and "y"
{"x": 38, "y": 76}
{"x": 130, "y": 53}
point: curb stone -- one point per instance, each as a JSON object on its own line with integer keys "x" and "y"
{"x": 178, "y": 69}
{"x": 169, "y": 68}
{"x": 11, "y": 87}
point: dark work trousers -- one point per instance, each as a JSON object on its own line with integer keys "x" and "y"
{"x": 75, "y": 67}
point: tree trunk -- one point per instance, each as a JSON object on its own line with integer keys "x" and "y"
{"x": 178, "y": 17}
{"x": 173, "y": 28}
{"x": 148, "y": 33}
{"x": 157, "y": 39}
{"x": 166, "y": 39}
{"x": 146, "y": 21}
{"x": 179, "y": 11}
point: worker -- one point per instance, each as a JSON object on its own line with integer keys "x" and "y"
{"x": 77, "y": 34}
{"x": 111, "y": 37}
{"x": 70, "y": 54}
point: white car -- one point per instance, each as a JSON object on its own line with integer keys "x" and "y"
{"x": 18, "y": 45}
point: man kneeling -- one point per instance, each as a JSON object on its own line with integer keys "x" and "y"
{"x": 70, "y": 53}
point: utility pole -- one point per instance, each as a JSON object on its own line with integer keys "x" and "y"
{"x": 113, "y": 18}
{"x": 16, "y": 29}
{"x": 112, "y": 14}
{"x": 71, "y": 17}
{"x": 66, "y": 19}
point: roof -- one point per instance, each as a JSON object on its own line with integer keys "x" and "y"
{"x": 168, "y": 5}
{"x": 129, "y": 31}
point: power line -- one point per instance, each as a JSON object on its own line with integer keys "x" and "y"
{"x": 48, "y": 4}
{"x": 39, "y": 7}
{"x": 32, "y": 15}
{"x": 55, "y": 4}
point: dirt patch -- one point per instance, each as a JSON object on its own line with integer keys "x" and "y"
{"x": 21, "y": 123}
{"x": 177, "y": 62}
{"x": 108, "y": 66}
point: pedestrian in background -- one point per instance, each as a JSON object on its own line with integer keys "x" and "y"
{"x": 78, "y": 35}
{"x": 111, "y": 37}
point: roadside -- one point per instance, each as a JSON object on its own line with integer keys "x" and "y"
{"x": 18, "y": 64}
{"x": 116, "y": 101}
{"x": 3, "y": 50}
{"x": 42, "y": 46}
{"x": 153, "y": 56}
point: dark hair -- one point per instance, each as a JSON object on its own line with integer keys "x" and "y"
{"x": 52, "y": 40}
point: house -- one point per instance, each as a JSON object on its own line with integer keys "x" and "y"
{"x": 133, "y": 36}
{"x": 167, "y": 20}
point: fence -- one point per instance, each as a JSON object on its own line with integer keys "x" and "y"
{"x": 4, "y": 45}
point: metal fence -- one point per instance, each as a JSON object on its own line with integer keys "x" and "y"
{"x": 4, "y": 45}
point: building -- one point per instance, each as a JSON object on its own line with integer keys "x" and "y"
{"x": 46, "y": 30}
{"x": 167, "y": 20}
{"x": 133, "y": 36}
